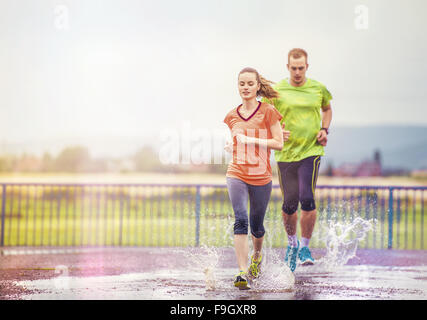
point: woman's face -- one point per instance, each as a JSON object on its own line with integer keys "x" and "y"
{"x": 248, "y": 85}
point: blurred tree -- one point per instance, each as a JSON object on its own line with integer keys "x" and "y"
{"x": 28, "y": 163}
{"x": 48, "y": 163}
{"x": 73, "y": 159}
{"x": 218, "y": 168}
{"x": 329, "y": 172}
{"x": 146, "y": 159}
{"x": 98, "y": 165}
{"x": 377, "y": 156}
{"x": 6, "y": 163}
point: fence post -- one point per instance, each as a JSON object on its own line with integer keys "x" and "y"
{"x": 121, "y": 219}
{"x": 197, "y": 216}
{"x": 390, "y": 218}
{"x": 3, "y": 214}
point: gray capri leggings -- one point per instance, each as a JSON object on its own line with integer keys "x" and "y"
{"x": 259, "y": 196}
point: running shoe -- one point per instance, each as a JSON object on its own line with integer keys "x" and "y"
{"x": 305, "y": 257}
{"x": 291, "y": 257}
{"x": 241, "y": 281}
{"x": 255, "y": 267}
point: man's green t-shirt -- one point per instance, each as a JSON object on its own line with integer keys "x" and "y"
{"x": 300, "y": 107}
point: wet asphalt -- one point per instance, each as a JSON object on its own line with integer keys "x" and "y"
{"x": 205, "y": 273}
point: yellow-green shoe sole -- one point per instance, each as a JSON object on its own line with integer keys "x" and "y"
{"x": 242, "y": 284}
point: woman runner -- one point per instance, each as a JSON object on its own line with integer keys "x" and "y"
{"x": 255, "y": 130}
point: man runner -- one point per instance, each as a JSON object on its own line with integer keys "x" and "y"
{"x": 300, "y": 102}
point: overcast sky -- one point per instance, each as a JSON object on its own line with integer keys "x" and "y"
{"x": 91, "y": 69}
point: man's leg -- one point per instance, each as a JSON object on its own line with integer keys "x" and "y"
{"x": 288, "y": 179}
{"x": 290, "y": 223}
{"x": 308, "y": 172}
{"x": 307, "y": 222}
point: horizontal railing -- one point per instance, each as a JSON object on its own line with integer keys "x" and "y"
{"x": 39, "y": 214}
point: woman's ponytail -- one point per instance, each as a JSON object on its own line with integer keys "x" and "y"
{"x": 265, "y": 90}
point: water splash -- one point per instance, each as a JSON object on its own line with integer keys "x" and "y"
{"x": 341, "y": 240}
{"x": 275, "y": 274}
{"x": 205, "y": 259}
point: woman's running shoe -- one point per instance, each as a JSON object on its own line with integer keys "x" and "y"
{"x": 241, "y": 281}
{"x": 255, "y": 267}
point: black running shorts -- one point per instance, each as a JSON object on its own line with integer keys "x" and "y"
{"x": 298, "y": 183}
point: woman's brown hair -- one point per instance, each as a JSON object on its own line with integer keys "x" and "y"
{"x": 265, "y": 90}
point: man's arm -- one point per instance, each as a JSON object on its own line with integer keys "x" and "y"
{"x": 326, "y": 116}
{"x": 322, "y": 136}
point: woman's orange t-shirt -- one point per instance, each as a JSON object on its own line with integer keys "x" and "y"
{"x": 251, "y": 163}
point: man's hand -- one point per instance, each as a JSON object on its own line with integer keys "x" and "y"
{"x": 322, "y": 138}
{"x": 286, "y": 133}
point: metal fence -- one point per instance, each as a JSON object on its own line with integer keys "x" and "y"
{"x": 35, "y": 214}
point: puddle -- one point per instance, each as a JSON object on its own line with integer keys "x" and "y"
{"x": 309, "y": 282}
{"x": 208, "y": 272}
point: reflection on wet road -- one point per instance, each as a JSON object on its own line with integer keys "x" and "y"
{"x": 208, "y": 274}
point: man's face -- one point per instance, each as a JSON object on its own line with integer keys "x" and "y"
{"x": 297, "y": 69}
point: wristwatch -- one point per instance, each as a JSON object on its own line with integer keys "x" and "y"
{"x": 326, "y": 130}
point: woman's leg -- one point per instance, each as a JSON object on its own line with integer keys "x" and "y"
{"x": 257, "y": 243}
{"x": 242, "y": 250}
{"x": 259, "y": 197}
{"x": 238, "y": 193}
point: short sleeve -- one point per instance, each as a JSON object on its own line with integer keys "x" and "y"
{"x": 326, "y": 96}
{"x": 272, "y": 115}
{"x": 269, "y": 101}
{"x": 227, "y": 120}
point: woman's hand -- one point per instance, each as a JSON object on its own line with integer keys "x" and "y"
{"x": 241, "y": 138}
{"x": 286, "y": 133}
{"x": 228, "y": 146}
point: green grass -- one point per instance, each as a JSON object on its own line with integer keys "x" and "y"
{"x": 130, "y": 216}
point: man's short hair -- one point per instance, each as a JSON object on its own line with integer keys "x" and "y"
{"x": 297, "y": 53}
